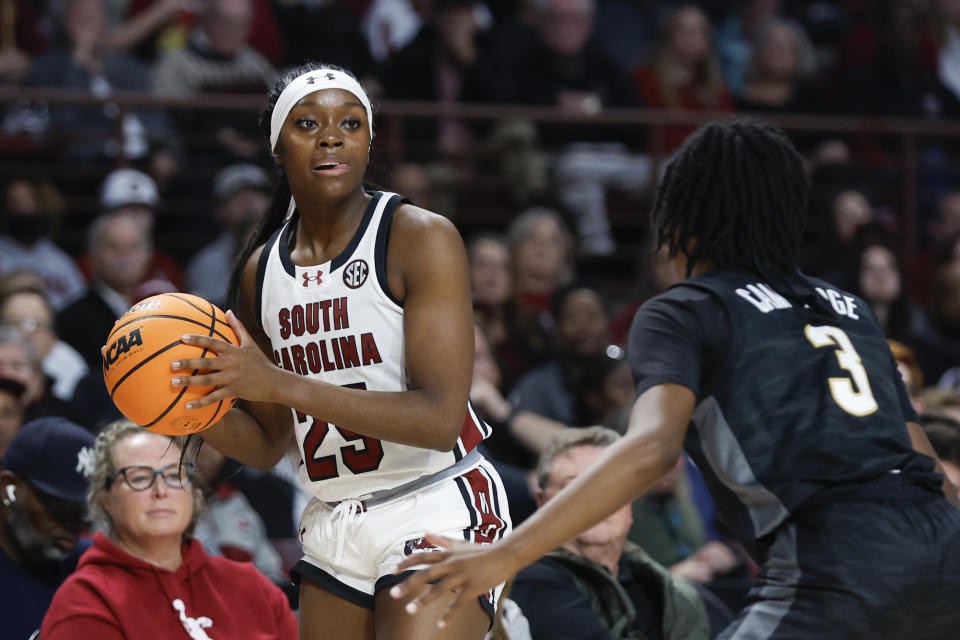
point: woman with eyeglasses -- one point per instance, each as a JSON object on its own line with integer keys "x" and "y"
{"x": 146, "y": 577}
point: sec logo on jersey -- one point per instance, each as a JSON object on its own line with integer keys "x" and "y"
{"x": 355, "y": 274}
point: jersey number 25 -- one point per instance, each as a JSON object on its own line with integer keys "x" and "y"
{"x": 853, "y": 393}
{"x": 366, "y": 455}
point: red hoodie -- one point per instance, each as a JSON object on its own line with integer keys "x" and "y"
{"x": 116, "y": 596}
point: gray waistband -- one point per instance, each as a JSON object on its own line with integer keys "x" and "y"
{"x": 460, "y": 467}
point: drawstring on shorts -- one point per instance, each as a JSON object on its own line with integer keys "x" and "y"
{"x": 347, "y": 514}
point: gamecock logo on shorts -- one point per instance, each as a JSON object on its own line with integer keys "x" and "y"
{"x": 417, "y": 545}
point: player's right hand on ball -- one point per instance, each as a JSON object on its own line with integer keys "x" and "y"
{"x": 237, "y": 371}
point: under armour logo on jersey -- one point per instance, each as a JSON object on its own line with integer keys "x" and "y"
{"x": 307, "y": 278}
{"x": 355, "y": 274}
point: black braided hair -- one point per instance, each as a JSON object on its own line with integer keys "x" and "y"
{"x": 735, "y": 195}
{"x": 276, "y": 213}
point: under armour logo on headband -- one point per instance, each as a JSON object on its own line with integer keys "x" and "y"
{"x": 305, "y": 84}
{"x": 330, "y": 76}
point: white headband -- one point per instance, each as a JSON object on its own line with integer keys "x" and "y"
{"x": 306, "y": 84}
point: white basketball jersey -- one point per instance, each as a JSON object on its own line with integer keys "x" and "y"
{"x": 338, "y": 322}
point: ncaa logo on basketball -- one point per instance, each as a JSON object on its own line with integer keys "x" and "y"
{"x": 355, "y": 274}
{"x": 121, "y": 346}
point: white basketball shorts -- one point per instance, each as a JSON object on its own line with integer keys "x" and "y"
{"x": 351, "y": 548}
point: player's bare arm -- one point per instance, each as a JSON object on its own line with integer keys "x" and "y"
{"x": 654, "y": 442}
{"x": 427, "y": 270}
{"x": 922, "y": 444}
{"x": 255, "y": 433}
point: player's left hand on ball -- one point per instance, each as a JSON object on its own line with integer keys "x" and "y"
{"x": 237, "y": 371}
{"x": 469, "y": 570}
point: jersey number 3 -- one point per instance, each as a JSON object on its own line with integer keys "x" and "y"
{"x": 366, "y": 455}
{"x": 853, "y": 394}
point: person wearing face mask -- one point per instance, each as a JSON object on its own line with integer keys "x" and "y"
{"x": 25, "y": 245}
{"x": 42, "y": 493}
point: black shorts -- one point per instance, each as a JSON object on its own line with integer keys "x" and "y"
{"x": 876, "y": 561}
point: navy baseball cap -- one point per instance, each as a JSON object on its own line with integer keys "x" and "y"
{"x": 53, "y": 455}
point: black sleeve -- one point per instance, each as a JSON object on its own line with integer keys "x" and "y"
{"x": 554, "y": 606}
{"x": 676, "y": 338}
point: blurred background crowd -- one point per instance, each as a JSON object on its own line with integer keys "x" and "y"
{"x": 132, "y": 163}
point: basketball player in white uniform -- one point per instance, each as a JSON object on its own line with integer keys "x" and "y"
{"x": 361, "y": 302}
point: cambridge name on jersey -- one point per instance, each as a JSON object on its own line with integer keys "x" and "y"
{"x": 790, "y": 400}
{"x": 338, "y": 322}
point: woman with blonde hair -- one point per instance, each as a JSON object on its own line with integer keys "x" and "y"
{"x": 145, "y": 576}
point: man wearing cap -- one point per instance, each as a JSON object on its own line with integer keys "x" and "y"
{"x": 240, "y": 191}
{"x": 121, "y": 264}
{"x": 43, "y": 490}
{"x": 133, "y": 192}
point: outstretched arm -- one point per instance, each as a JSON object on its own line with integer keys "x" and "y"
{"x": 658, "y": 423}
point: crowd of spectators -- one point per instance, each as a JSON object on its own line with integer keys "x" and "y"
{"x": 581, "y": 57}
{"x": 103, "y": 206}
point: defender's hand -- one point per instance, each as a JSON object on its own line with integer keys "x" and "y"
{"x": 469, "y": 570}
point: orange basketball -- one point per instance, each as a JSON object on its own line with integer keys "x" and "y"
{"x": 136, "y": 362}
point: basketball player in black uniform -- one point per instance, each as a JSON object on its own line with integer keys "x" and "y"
{"x": 784, "y": 392}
